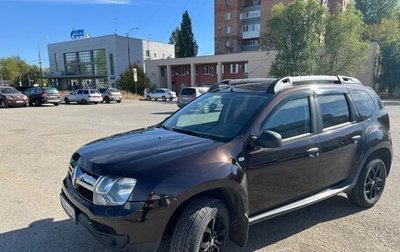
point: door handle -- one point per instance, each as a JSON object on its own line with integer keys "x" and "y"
{"x": 313, "y": 152}
{"x": 356, "y": 139}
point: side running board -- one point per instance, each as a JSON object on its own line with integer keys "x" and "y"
{"x": 297, "y": 205}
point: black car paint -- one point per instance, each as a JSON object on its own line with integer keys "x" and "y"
{"x": 171, "y": 168}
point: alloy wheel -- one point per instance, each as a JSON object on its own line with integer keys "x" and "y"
{"x": 374, "y": 182}
{"x": 213, "y": 236}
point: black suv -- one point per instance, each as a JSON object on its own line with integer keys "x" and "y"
{"x": 43, "y": 95}
{"x": 229, "y": 159}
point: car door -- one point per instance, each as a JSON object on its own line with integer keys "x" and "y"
{"x": 282, "y": 174}
{"x": 339, "y": 139}
{"x": 78, "y": 95}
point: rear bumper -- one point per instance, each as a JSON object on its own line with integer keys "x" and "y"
{"x": 132, "y": 226}
{"x": 95, "y": 99}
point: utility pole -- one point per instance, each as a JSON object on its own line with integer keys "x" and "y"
{"x": 127, "y": 41}
{"x": 40, "y": 60}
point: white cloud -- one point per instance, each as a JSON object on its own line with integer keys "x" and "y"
{"x": 120, "y": 2}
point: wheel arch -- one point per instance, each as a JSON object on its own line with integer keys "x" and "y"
{"x": 235, "y": 205}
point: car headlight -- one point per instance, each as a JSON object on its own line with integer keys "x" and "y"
{"x": 109, "y": 191}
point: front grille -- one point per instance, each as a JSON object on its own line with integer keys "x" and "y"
{"x": 82, "y": 181}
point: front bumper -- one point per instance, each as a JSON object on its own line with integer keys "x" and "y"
{"x": 17, "y": 103}
{"x": 133, "y": 226}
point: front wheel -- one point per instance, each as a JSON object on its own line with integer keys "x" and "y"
{"x": 202, "y": 226}
{"x": 119, "y": 101}
{"x": 3, "y": 104}
{"x": 370, "y": 184}
{"x": 56, "y": 104}
{"x": 164, "y": 98}
{"x": 170, "y": 99}
{"x": 66, "y": 101}
{"x": 148, "y": 98}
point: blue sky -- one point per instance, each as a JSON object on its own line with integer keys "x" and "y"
{"x": 24, "y": 22}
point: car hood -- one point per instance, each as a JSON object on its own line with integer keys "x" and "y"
{"x": 17, "y": 96}
{"x": 136, "y": 152}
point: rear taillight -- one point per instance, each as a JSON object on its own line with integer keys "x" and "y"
{"x": 44, "y": 93}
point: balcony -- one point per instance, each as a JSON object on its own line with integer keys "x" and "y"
{"x": 251, "y": 34}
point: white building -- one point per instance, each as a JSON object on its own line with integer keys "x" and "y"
{"x": 99, "y": 61}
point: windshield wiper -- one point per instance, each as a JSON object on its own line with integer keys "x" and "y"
{"x": 189, "y": 132}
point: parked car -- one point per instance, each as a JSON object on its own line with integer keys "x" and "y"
{"x": 110, "y": 94}
{"x": 230, "y": 159}
{"x": 190, "y": 93}
{"x": 10, "y": 97}
{"x": 84, "y": 96}
{"x": 161, "y": 93}
{"x": 43, "y": 95}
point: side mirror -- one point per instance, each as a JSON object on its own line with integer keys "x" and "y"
{"x": 268, "y": 139}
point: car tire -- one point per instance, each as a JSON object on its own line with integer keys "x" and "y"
{"x": 119, "y": 101}
{"x": 56, "y": 104}
{"x": 66, "y": 100}
{"x": 370, "y": 184}
{"x": 164, "y": 98}
{"x": 148, "y": 98}
{"x": 170, "y": 99}
{"x": 3, "y": 104}
{"x": 96, "y": 102}
{"x": 83, "y": 101}
{"x": 202, "y": 226}
{"x": 107, "y": 99}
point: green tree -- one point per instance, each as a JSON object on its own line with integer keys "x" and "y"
{"x": 127, "y": 83}
{"x": 185, "y": 42}
{"x": 13, "y": 69}
{"x": 174, "y": 38}
{"x": 295, "y": 32}
{"x": 344, "y": 49}
{"x": 375, "y": 11}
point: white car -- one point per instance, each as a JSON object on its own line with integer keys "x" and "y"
{"x": 84, "y": 96}
{"x": 161, "y": 93}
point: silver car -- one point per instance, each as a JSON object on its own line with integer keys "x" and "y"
{"x": 189, "y": 93}
{"x": 161, "y": 93}
{"x": 111, "y": 94}
{"x": 84, "y": 96}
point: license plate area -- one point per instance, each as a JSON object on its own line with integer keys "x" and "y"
{"x": 70, "y": 210}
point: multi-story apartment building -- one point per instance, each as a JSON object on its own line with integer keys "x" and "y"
{"x": 240, "y": 24}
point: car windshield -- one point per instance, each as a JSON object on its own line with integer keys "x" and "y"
{"x": 51, "y": 90}
{"x": 9, "y": 90}
{"x": 218, "y": 116}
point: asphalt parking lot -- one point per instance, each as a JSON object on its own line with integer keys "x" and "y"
{"x": 37, "y": 142}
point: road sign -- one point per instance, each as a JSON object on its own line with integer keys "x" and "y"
{"x": 134, "y": 74}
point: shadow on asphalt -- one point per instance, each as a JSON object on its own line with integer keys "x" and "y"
{"x": 47, "y": 235}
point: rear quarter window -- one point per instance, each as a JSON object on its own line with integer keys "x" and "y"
{"x": 364, "y": 103}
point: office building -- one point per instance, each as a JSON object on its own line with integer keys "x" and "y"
{"x": 99, "y": 61}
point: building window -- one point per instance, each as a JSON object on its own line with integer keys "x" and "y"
{"x": 250, "y": 14}
{"x": 85, "y": 69}
{"x": 182, "y": 70}
{"x": 84, "y": 56}
{"x": 252, "y": 27}
{"x": 70, "y": 58}
{"x": 147, "y": 53}
{"x": 99, "y": 55}
{"x": 207, "y": 69}
{"x": 228, "y": 3}
{"x": 228, "y": 42}
{"x": 228, "y": 16}
{"x": 228, "y": 29}
{"x": 234, "y": 68}
{"x": 162, "y": 72}
{"x": 100, "y": 69}
{"x": 256, "y": 2}
{"x": 246, "y": 67}
{"x": 112, "y": 64}
{"x": 56, "y": 61}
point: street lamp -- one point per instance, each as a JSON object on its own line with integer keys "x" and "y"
{"x": 127, "y": 41}
{"x": 40, "y": 59}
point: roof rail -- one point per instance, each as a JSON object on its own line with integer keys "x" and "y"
{"x": 288, "y": 82}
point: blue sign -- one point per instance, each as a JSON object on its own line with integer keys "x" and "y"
{"x": 77, "y": 34}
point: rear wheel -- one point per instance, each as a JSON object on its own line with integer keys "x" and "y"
{"x": 164, "y": 98}
{"x": 83, "y": 101}
{"x": 119, "y": 101}
{"x": 56, "y": 104}
{"x": 170, "y": 99}
{"x": 66, "y": 101}
{"x": 203, "y": 226}
{"x": 370, "y": 184}
{"x": 148, "y": 97}
{"x": 107, "y": 99}
{"x": 38, "y": 102}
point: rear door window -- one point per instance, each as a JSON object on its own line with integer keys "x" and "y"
{"x": 80, "y": 92}
{"x": 85, "y": 91}
{"x": 334, "y": 110}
